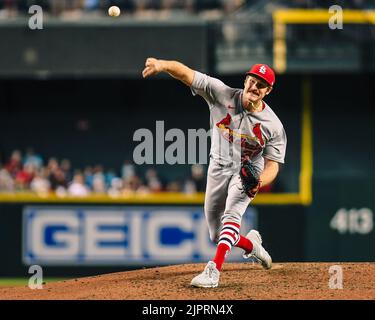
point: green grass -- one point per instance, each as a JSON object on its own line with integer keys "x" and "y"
{"x": 11, "y": 282}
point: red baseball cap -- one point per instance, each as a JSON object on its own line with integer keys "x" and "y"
{"x": 263, "y": 71}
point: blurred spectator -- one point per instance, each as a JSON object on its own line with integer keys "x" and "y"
{"x": 127, "y": 169}
{"x": 8, "y": 8}
{"x": 189, "y": 187}
{"x": 174, "y": 186}
{"x": 133, "y": 185}
{"x": 208, "y": 9}
{"x": 116, "y": 187}
{"x": 52, "y": 164}
{"x": 6, "y": 180}
{"x": 32, "y": 158}
{"x": 89, "y": 178}
{"x": 15, "y": 163}
{"x": 197, "y": 180}
{"x": 142, "y": 5}
{"x": 78, "y": 187}
{"x": 108, "y": 177}
{"x": 30, "y": 174}
{"x": 198, "y": 177}
{"x": 57, "y": 7}
{"x": 91, "y": 4}
{"x": 230, "y": 6}
{"x": 66, "y": 167}
{"x": 24, "y": 177}
{"x": 57, "y": 179}
{"x": 153, "y": 181}
{"x": 40, "y": 184}
{"x": 98, "y": 182}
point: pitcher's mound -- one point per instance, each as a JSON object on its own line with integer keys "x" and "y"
{"x": 239, "y": 281}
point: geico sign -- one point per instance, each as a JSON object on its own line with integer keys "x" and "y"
{"x": 116, "y": 236}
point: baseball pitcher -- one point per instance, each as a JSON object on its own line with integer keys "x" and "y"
{"x": 248, "y": 143}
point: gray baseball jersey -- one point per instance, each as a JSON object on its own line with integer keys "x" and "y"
{"x": 235, "y": 133}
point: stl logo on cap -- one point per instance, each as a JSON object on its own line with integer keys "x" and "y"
{"x": 262, "y": 69}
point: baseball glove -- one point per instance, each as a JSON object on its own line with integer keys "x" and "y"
{"x": 250, "y": 178}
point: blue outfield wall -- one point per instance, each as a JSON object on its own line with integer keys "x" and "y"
{"x": 70, "y": 240}
{"x": 77, "y": 240}
{"x": 119, "y": 235}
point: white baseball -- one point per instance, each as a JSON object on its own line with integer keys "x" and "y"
{"x": 114, "y": 11}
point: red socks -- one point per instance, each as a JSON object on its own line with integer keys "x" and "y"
{"x": 221, "y": 253}
{"x": 229, "y": 237}
{"x": 245, "y": 243}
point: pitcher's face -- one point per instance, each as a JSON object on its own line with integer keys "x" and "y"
{"x": 255, "y": 89}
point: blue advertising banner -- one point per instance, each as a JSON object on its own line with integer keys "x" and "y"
{"x": 55, "y": 235}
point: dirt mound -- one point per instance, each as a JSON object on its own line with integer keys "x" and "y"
{"x": 239, "y": 281}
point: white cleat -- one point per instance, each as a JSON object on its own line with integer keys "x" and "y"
{"x": 209, "y": 278}
{"x": 258, "y": 252}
